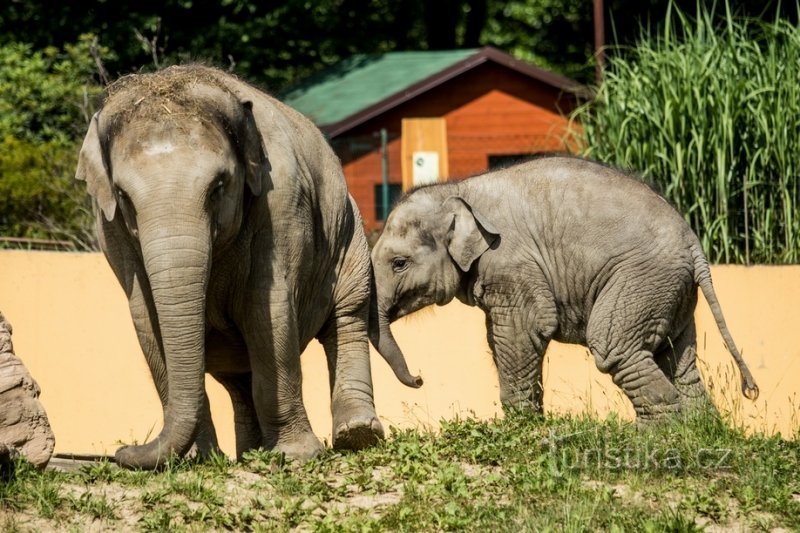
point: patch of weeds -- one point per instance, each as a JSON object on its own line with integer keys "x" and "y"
{"x": 354, "y": 522}
{"x": 243, "y": 518}
{"x": 413, "y": 455}
{"x": 46, "y": 497}
{"x": 11, "y": 489}
{"x": 707, "y": 501}
{"x": 97, "y": 507}
{"x": 197, "y": 488}
{"x": 102, "y": 471}
{"x": 217, "y": 462}
{"x": 153, "y": 498}
{"x": 670, "y": 520}
{"x": 157, "y": 520}
{"x": 204, "y": 515}
{"x": 293, "y": 511}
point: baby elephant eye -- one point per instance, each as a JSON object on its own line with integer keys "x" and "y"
{"x": 399, "y": 263}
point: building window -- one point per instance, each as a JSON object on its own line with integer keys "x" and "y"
{"x": 507, "y": 160}
{"x": 395, "y": 190}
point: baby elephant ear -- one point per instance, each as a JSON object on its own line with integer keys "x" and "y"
{"x": 470, "y": 234}
{"x": 92, "y": 170}
{"x": 255, "y": 156}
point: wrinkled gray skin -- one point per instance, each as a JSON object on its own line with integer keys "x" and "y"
{"x": 225, "y": 216}
{"x": 558, "y": 248}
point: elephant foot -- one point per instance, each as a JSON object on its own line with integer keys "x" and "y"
{"x": 299, "y": 447}
{"x": 357, "y": 433}
{"x": 150, "y": 456}
{"x": 655, "y": 414}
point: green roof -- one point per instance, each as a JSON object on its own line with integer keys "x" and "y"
{"x": 364, "y": 80}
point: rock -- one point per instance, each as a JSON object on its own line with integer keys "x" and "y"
{"x": 24, "y": 427}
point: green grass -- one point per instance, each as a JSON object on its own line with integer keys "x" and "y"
{"x": 709, "y": 110}
{"x": 520, "y": 473}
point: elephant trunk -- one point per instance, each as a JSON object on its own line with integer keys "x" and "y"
{"x": 177, "y": 266}
{"x": 380, "y": 335}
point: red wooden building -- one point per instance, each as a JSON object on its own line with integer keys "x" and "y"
{"x": 459, "y": 112}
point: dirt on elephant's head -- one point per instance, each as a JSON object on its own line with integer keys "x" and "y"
{"x": 171, "y": 94}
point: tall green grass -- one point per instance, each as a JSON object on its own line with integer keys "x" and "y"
{"x": 709, "y": 110}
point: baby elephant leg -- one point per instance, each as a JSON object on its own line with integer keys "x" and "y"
{"x": 625, "y": 328}
{"x": 518, "y": 355}
{"x": 642, "y": 381}
{"x": 677, "y": 358}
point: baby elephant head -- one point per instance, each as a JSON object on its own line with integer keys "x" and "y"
{"x": 427, "y": 247}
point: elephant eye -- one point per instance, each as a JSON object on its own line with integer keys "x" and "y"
{"x": 122, "y": 195}
{"x": 399, "y": 264}
{"x": 218, "y": 187}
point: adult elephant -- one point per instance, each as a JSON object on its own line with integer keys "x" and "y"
{"x": 558, "y": 248}
{"x": 225, "y": 216}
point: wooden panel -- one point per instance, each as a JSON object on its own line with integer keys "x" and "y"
{"x": 423, "y": 135}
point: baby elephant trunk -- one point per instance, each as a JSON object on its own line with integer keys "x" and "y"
{"x": 380, "y": 334}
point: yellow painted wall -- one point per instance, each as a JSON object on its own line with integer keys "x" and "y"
{"x": 73, "y": 331}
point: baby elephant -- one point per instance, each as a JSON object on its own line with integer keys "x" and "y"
{"x": 557, "y": 248}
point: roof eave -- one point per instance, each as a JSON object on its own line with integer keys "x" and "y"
{"x": 484, "y": 55}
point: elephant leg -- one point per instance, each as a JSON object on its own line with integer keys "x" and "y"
{"x": 127, "y": 267}
{"x": 271, "y": 337}
{"x": 622, "y": 340}
{"x": 245, "y": 419}
{"x": 519, "y": 355}
{"x": 645, "y": 385}
{"x": 227, "y": 361}
{"x": 205, "y": 442}
{"x": 355, "y": 423}
{"x": 677, "y": 358}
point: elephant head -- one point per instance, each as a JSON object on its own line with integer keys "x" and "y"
{"x": 173, "y": 158}
{"x": 426, "y": 250}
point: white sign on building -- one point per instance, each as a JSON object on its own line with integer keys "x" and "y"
{"x": 425, "y": 167}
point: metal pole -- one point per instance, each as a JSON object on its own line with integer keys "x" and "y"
{"x": 384, "y": 174}
{"x": 599, "y": 41}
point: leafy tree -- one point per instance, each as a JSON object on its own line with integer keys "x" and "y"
{"x": 45, "y": 103}
{"x": 278, "y": 42}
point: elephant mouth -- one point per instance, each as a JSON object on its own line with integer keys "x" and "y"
{"x": 409, "y": 306}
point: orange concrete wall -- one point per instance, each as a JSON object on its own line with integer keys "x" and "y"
{"x": 73, "y": 331}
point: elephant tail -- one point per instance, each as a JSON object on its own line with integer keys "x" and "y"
{"x": 702, "y": 276}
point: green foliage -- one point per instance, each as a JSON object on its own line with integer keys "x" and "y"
{"x": 709, "y": 110}
{"x": 46, "y": 94}
{"x": 548, "y": 33}
{"x": 45, "y": 105}
{"x": 39, "y": 196}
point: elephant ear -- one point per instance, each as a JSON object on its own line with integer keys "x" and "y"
{"x": 469, "y": 235}
{"x": 255, "y": 157}
{"x": 92, "y": 169}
